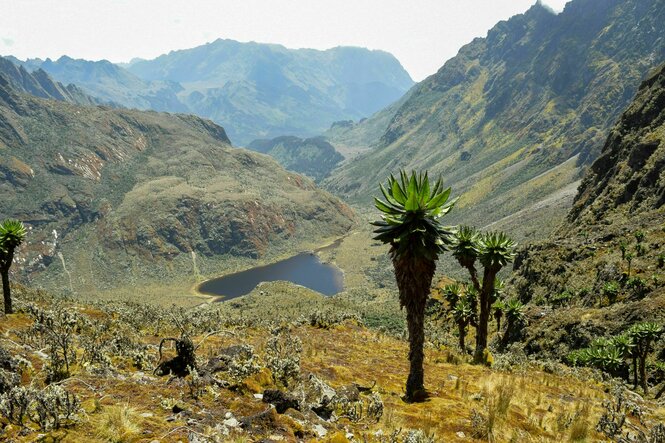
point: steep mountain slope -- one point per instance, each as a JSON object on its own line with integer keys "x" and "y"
{"x": 614, "y": 236}
{"x": 314, "y": 157}
{"x": 509, "y": 121}
{"x": 111, "y": 83}
{"x": 262, "y": 91}
{"x": 114, "y": 197}
{"x": 39, "y": 84}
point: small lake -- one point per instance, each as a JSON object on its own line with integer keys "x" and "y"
{"x": 304, "y": 269}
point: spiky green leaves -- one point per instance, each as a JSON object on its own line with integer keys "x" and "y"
{"x": 466, "y": 244}
{"x": 12, "y": 234}
{"x": 646, "y": 330}
{"x": 452, "y": 293}
{"x": 610, "y": 354}
{"x": 514, "y": 310}
{"x": 493, "y": 249}
{"x": 496, "y": 250}
{"x": 602, "y": 354}
{"x": 463, "y": 311}
{"x": 410, "y": 215}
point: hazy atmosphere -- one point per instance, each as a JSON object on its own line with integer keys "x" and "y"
{"x": 317, "y": 221}
{"x": 422, "y": 34}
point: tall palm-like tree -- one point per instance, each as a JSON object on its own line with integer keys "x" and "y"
{"x": 462, "y": 313}
{"x": 410, "y": 225}
{"x": 514, "y": 311}
{"x": 12, "y": 234}
{"x": 496, "y": 251}
{"x": 644, "y": 335}
{"x": 493, "y": 250}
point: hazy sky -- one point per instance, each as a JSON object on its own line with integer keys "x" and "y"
{"x": 422, "y": 34}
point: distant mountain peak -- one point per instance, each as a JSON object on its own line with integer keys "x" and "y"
{"x": 539, "y": 5}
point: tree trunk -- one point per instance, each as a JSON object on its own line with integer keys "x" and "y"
{"x": 643, "y": 374}
{"x": 660, "y": 393}
{"x": 481, "y": 332}
{"x": 6, "y": 291}
{"x": 462, "y": 335}
{"x": 414, "y": 279}
{"x": 415, "y": 383}
{"x": 635, "y": 384}
{"x": 506, "y": 333}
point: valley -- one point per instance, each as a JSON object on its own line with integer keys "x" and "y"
{"x": 248, "y": 242}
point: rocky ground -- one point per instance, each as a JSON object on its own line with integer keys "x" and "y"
{"x": 73, "y": 372}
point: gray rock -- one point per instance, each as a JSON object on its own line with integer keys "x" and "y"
{"x": 231, "y": 422}
{"x": 320, "y": 430}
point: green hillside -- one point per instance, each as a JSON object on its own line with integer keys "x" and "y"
{"x": 512, "y": 119}
{"x": 602, "y": 271}
{"x": 314, "y": 157}
{"x": 116, "y": 198}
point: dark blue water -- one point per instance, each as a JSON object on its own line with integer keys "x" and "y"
{"x": 303, "y": 269}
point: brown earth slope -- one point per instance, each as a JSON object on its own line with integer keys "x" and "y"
{"x": 114, "y": 197}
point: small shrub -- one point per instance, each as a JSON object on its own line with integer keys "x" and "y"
{"x": 57, "y": 329}
{"x": 243, "y": 364}
{"x": 639, "y": 236}
{"x": 611, "y": 290}
{"x": 283, "y": 356}
{"x": 14, "y": 404}
{"x": 53, "y": 405}
{"x": 481, "y": 426}
{"x": 49, "y": 408}
{"x": 579, "y": 428}
{"x": 504, "y": 395}
{"x": 638, "y": 286}
{"x": 561, "y": 299}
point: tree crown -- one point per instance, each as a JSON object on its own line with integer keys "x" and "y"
{"x": 410, "y": 215}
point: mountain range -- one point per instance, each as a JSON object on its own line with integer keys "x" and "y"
{"x": 114, "y": 192}
{"x": 512, "y": 121}
{"x": 254, "y": 90}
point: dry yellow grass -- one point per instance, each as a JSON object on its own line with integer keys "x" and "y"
{"x": 527, "y": 405}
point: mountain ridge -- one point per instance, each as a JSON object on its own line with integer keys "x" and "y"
{"x": 138, "y": 194}
{"x": 502, "y": 119}
{"x": 255, "y": 90}
{"x": 612, "y": 238}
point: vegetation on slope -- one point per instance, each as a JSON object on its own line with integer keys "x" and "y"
{"x": 314, "y": 157}
{"x": 602, "y": 272}
{"x": 509, "y": 121}
{"x": 324, "y": 373}
{"x": 117, "y": 197}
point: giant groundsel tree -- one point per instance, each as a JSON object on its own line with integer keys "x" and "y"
{"x": 493, "y": 250}
{"x": 410, "y": 225}
{"x": 12, "y": 234}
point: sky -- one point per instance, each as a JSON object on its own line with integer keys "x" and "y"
{"x": 422, "y": 34}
